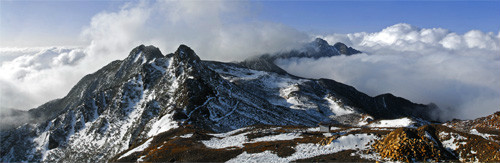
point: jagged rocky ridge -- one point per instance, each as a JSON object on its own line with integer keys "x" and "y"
{"x": 318, "y": 48}
{"x": 130, "y": 101}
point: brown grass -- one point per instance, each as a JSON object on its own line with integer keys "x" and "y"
{"x": 281, "y": 148}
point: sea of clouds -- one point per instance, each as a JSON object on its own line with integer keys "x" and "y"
{"x": 459, "y": 72}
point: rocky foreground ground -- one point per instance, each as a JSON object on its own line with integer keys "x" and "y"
{"x": 432, "y": 142}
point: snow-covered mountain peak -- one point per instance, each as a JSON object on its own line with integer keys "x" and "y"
{"x": 144, "y": 53}
{"x": 319, "y": 48}
{"x": 320, "y": 42}
{"x": 186, "y": 54}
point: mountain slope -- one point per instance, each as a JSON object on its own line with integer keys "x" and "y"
{"x": 128, "y": 102}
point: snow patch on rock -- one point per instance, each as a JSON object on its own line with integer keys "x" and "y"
{"x": 401, "y": 122}
{"x": 485, "y": 136}
{"x": 454, "y": 142}
{"x": 358, "y": 141}
{"x": 138, "y": 148}
{"x": 225, "y": 140}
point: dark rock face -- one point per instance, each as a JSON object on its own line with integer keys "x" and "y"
{"x": 128, "y": 101}
{"x": 344, "y": 49}
{"x": 263, "y": 63}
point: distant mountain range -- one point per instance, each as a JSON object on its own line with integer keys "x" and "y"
{"x": 319, "y": 48}
{"x": 176, "y": 107}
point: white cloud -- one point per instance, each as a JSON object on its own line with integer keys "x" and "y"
{"x": 461, "y": 72}
{"x": 216, "y": 30}
{"x": 37, "y": 77}
{"x": 8, "y": 54}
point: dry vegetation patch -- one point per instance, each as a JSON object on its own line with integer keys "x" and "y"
{"x": 282, "y": 148}
{"x": 407, "y": 144}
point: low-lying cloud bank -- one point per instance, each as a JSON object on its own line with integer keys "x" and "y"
{"x": 460, "y": 73}
{"x": 39, "y": 75}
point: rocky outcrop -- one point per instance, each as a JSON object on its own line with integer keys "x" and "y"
{"x": 490, "y": 122}
{"x": 344, "y": 49}
{"x": 435, "y": 143}
{"x": 408, "y": 144}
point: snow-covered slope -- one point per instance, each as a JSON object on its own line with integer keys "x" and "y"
{"x": 128, "y": 102}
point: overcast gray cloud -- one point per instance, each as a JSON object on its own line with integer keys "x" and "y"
{"x": 460, "y": 73}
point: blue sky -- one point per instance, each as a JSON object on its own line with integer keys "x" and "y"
{"x": 371, "y": 16}
{"x": 47, "y": 23}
